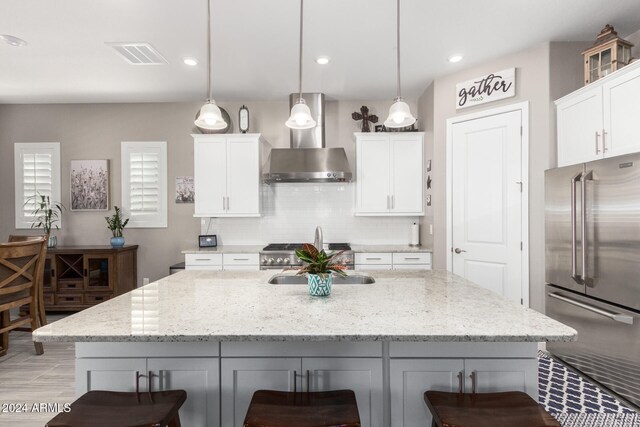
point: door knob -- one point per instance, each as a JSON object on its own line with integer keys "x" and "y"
{"x": 459, "y": 251}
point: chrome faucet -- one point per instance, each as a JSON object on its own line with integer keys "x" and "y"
{"x": 318, "y": 243}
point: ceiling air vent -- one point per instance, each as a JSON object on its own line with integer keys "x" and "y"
{"x": 138, "y": 53}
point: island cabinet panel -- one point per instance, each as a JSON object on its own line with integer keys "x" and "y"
{"x": 410, "y": 378}
{"x": 199, "y": 377}
{"x": 241, "y": 377}
{"x": 78, "y": 277}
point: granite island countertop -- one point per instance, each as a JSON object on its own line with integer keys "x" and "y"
{"x": 241, "y": 306}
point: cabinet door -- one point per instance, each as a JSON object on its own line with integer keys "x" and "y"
{"x": 241, "y": 377}
{"x": 98, "y": 272}
{"x": 580, "y": 128}
{"x": 621, "y": 112}
{"x": 407, "y": 174}
{"x": 243, "y": 177}
{"x": 362, "y": 375}
{"x": 495, "y": 375}
{"x": 110, "y": 374}
{"x": 411, "y": 378}
{"x": 199, "y": 378}
{"x": 373, "y": 175}
{"x": 210, "y": 176}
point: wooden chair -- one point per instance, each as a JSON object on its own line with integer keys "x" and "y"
{"x": 123, "y": 409}
{"x": 507, "y": 409}
{"x": 42, "y": 314}
{"x": 270, "y": 408}
{"x": 18, "y": 277}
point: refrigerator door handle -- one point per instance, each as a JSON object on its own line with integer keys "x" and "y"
{"x": 588, "y": 176}
{"x": 574, "y": 253}
{"x": 622, "y": 318}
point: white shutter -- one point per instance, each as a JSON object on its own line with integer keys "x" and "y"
{"x": 37, "y": 172}
{"x": 144, "y": 183}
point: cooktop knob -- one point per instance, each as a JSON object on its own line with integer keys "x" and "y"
{"x": 287, "y": 260}
{"x": 270, "y": 261}
{"x": 279, "y": 261}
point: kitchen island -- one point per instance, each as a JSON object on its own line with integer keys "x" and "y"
{"x": 223, "y": 335}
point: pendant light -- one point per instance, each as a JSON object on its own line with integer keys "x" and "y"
{"x": 210, "y": 116}
{"x": 300, "y": 117}
{"x": 399, "y": 114}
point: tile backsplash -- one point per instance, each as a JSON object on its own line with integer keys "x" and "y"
{"x": 291, "y": 212}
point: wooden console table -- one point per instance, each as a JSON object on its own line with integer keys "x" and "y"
{"x": 77, "y": 277}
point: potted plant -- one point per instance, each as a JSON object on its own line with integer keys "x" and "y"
{"x": 47, "y": 214}
{"x": 319, "y": 268}
{"x": 115, "y": 223}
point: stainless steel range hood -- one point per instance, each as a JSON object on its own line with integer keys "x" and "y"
{"x": 308, "y": 160}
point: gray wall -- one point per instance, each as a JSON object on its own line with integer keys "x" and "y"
{"x": 94, "y": 131}
{"x": 543, "y": 73}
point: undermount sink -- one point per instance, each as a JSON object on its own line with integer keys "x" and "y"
{"x": 352, "y": 279}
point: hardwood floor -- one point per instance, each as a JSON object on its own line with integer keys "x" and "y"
{"x": 27, "y": 379}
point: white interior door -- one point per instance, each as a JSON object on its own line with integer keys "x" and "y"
{"x": 487, "y": 202}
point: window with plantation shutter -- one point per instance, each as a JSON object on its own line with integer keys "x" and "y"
{"x": 37, "y": 172}
{"x": 144, "y": 183}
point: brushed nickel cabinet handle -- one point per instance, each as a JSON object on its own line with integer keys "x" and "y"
{"x": 597, "y": 145}
{"x": 308, "y": 381}
{"x": 460, "y": 382}
{"x": 295, "y": 381}
{"x": 604, "y": 141}
{"x": 474, "y": 380}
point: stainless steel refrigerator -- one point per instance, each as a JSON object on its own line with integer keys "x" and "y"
{"x": 592, "y": 226}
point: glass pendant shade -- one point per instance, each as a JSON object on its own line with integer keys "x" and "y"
{"x": 399, "y": 115}
{"x": 300, "y": 117}
{"x": 210, "y": 117}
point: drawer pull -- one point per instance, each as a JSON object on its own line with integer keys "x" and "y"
{"x": 618, "y": 317}
{"x": 53, "y": 273}
{"x": 69, "y": 298}
{"x": 203, "y": 259}
{"x": 241, "y": 259}
{"x": 373, "y": 258}
{"x": 414, "y": 258}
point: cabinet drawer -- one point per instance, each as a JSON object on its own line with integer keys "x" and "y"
{"x": 93, "y": 298}
{"x": 373, "y": 258}
{"x": 411, "y": 258}
{"x": 69, "y": 299}
{"x": 203, "y": 259}
{"x": 240, "y": 259}
{"x": 70, "y": 285}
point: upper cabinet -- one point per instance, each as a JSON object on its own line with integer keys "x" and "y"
{"x": 227, "y": 175}
{"x": 390, "y": 174}
{"x": 598, "y": 120}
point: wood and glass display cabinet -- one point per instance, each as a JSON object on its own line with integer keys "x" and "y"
{"x": 77, "y": 277}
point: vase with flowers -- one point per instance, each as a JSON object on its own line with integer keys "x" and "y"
{"x": 319, "y": 268}
{"x": 116, "y": 223}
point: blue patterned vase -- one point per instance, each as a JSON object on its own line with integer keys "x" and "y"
{"x": 117, "y": 242}
{"x": 318, "y": 286}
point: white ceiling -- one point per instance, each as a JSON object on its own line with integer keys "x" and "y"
{"x": 255, "y": 45}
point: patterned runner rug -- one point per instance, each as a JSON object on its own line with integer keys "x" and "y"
{"x": 576, "y": 402}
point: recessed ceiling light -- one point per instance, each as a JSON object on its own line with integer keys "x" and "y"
{"x": 323, "y": 60}
{"x": 192, "y": 62}
{"x": 455, "y": 58}
{"x": 12, "y": 40}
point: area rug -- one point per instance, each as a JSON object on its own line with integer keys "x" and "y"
{"x": 576, "y": 402}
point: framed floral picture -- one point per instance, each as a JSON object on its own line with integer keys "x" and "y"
{"x": 89, "y": 185}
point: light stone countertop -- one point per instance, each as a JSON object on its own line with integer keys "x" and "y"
{"x": 242, "y": 306}
{"x": 226, "y": 249}
{"x": 389, "y": 248}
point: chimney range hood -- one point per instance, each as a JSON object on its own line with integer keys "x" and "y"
{"x": 308, "y": 160}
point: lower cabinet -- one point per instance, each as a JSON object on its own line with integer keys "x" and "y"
{"x": 411, "y": 378}
{"x": 198, "y": 376}
{"x": 241, "y": 377}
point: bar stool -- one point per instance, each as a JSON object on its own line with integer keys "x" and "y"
{"x": 270, "y": 408}
{"x": 123, "y": 409}
{"x": 507, "y": 409}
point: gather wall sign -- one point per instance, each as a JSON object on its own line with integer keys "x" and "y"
{"x": 488, "y": 88}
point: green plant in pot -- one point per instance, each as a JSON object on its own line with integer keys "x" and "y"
{"x": 47, "y": 214}
{"x": 116, "y": 224}
{"x": 319, "y": 268}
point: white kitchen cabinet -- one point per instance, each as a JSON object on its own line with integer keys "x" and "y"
{"x": 241, "y": 262}
{"x": 598, "y": 120}
{"x": 203, "y": 261}
{"x": 197, "y": 376}
{"x": 219, "y": 262}
{"x": 390, "y": 174}
{"x": 392, "y": 261}
{"x": 411, "y": 378}
{"x": 227, "y": 175}
{"x": 241, "y": 377}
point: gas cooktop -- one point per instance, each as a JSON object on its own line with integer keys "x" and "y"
{"x": 294, "y": 246}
